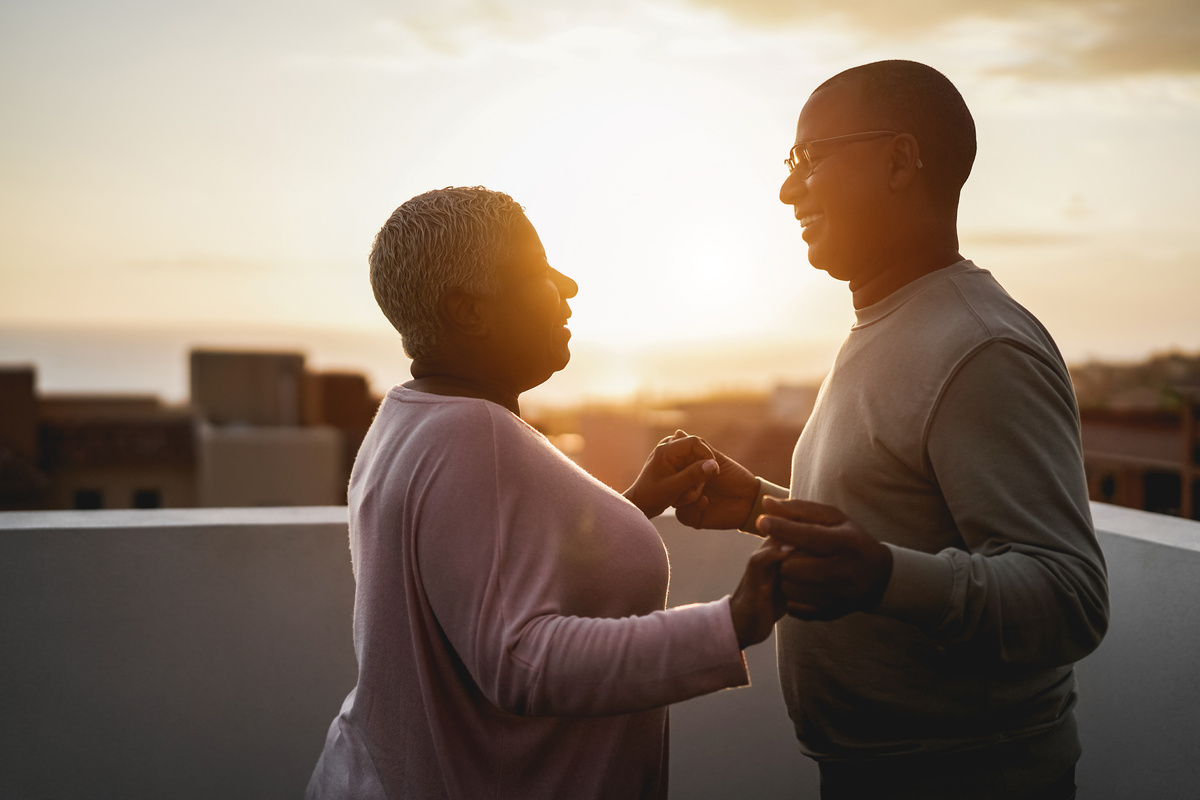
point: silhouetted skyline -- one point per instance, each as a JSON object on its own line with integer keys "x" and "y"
{"x": 220, "y": 170}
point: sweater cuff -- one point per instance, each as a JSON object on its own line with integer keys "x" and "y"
{"x": 919, "y": 589}
{"x": 765, "y": 489}
{"x": 735, "y": 672}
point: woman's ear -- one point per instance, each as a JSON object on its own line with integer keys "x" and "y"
{"x": 463, "y": 314}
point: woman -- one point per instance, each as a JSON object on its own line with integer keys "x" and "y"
{"x": 508, "y": 616}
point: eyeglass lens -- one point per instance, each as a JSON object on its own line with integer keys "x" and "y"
{"x": 798, "y": 161}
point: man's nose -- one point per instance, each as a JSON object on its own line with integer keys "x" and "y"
{"x": 793, "y": 189}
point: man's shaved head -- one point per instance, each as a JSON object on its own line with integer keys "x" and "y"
{"x": 909, "y": 97}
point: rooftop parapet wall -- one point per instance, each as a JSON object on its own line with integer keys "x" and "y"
{"x": 202, "y": 653}
{"x": 174, "y": 653}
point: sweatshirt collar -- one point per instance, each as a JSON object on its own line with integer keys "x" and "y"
{"x": 875, "y": 312}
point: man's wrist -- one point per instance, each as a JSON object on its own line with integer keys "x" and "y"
{"x": 765, "y": 489}
{"x": 918, "y": 589}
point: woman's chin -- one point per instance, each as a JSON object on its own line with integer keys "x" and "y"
{"x": 563, "y": 360}
{"x": 564, "y": 350}
{"x": 557, "y": 362}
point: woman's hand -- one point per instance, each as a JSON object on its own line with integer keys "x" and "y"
{"x": 759, "y": 602}
{"x": 675, "y": 473}
{"x": 725, "y": 501}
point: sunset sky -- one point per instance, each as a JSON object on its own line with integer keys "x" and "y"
{"x": 226, "y": 164}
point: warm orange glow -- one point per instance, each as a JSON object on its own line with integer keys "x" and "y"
{"x": 646, "y": 143}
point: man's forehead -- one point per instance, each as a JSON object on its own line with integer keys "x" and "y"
{"x": 834, "y": 110}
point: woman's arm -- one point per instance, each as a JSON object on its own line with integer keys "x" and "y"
{"x": 502, "y": 553}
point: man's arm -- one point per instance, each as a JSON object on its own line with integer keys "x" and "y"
{"x": 1003, "y": 445}
{"x": 1029, "y": 584}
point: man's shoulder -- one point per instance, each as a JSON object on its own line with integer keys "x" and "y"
{"x": 995, "y": 308}
{"x": 926, "y": 333}
{"x": 968, "y": 308}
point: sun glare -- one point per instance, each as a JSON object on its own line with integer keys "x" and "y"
{"x": 624, "y": 195}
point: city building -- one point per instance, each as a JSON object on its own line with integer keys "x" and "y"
{"x": 23, "y": 485}
{"x": 254, "y": 448}
{"x": 85, "y": 452}
{"x": 260, "y": 430}
{"x": 117, "y": 452}
{"x": 1146, "y": 459}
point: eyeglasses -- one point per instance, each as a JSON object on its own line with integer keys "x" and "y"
{"x": 800, "y": 158}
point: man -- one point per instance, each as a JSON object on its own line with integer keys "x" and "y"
{"x": 947, "y": 574}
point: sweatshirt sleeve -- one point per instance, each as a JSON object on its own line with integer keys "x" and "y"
{"x": 1029, "y": 585}
{"x": 500, "y": 583}
{"x": 765, "y": 489}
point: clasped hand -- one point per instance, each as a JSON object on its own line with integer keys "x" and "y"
{"x": 836, "y": 568}
{"x": 674, "y": 474}
{"x": 816, "y": 563}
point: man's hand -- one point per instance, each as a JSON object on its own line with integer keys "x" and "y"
{"x": 675, "y": 472}
{"x": 837, "y": 568}
{"x": 725, "y": 501}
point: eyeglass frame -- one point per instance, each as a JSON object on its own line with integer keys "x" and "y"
{"x": 849, "y": 138}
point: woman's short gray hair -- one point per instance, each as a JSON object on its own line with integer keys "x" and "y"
{"x": 450, "y": 238}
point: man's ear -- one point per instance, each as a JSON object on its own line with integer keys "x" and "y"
{"x": 906, "y": 160}
{"x": 462, "y": 313}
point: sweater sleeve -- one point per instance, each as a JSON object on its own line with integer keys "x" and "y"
{"x": 1029, "y": 584}
{"x": 502, "y": 575}
{"x": 765, "y": 489}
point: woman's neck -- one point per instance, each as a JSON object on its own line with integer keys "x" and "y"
{"x": 450, "y": 385}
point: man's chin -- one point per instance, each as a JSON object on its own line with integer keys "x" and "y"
{"x": 823, "y": 265}
{"x": 831, "y": 267}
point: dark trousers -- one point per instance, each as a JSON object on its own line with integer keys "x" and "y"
{"x": 963, "y": 776}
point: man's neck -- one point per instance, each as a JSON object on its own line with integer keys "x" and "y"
{"x": 900, "y": 273}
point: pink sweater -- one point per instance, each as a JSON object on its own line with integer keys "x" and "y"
{"x": 508, "y": 620}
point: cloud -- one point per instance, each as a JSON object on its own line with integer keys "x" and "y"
{"x": 412, "y": 36}
{"x": 1019, "y": 238}
{"x": 1065, "y": 39}
{"x": 199, "y": 264}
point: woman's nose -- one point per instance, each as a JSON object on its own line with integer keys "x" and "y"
{"x": 567, "y": 287}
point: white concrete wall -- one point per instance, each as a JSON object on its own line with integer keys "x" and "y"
{"x": 202, "y": 654}
{"x": 1139, "y": 693}
{"x": 176, "y": 654}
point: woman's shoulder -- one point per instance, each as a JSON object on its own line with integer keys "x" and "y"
{"x": 457, "y": 420}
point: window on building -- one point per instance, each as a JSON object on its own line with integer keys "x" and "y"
{"x": 147, "y": 498}
{"x": 1108, "y": 487}
{"x": 88, "y": 499}
{"x": 1163, "y": 492}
